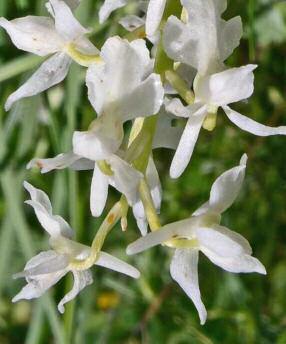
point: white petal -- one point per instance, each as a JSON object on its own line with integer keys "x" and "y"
{"x": 187, "y": 143}
{"x": 33, "y": 34}
{"x": 141, "y": 220}
{"x": 53, "y": 224}
{"x": 222, "y": 241}
{"x": 126, "y": 64}
{"x": 37, "y": 285}
{"x": 184, "y": 270}
{"x": 236, "y": 237}
{"x": 65, "y": 22}
{"x": 98, "y": 192}
{"x": 252, "y": 126}
{"x": 125, "y": 178}
{"x": 108, "y": 7}
{"x": 62, "y": 161}
{"x": 39, "y": 196}
{"x": 227, "y": 186}
{"x": 110, "y": 262}
{"x": 89, "y": 145}
{"x": 232, "y": 32}
{"x": 204, "y": 208}
{"x": 242, "y": 263}
{"x": 206, "y": 40}
{"x": 154, "y": 16}
{"x": 46, "y": 262}
{"x": 101, "y": 141}
{"x": 144, "y": 100}
{"x": 50, "y": 73}
{"x": 81, "y": 280}
{"x": 131, "y": 22}
{"x": 96, "y": 88}
{"x": 227, "y": 87}
{"x": 184, "y": 228}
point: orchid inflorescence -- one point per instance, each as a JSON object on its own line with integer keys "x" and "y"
{"x": 184, "y": 76}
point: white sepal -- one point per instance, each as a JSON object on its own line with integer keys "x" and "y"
{"x": 50, "y": 73}
{"x": 33, "y": 34}
{"x": 227, "y": 186}
{"x": 98, "y": 192}
{"x": 81, "y": 280}
{"x": 226, "y": 87}
{"x": 110, "y": 262}
{"x": 154, "y": 16}
{"x": 62, "y": 161}
{"x": 53, "y": 224}
{"x": 187, "y": 142}
{"x": 65, "y": 23}
{"x": 251, "y": 126}
{"x": 37, "y": 285}
{"x": 184, "y": 270}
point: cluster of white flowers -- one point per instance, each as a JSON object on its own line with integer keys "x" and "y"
{"x": 185, "y": 75}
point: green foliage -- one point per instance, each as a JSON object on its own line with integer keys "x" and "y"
{"x": 115, "y": 309}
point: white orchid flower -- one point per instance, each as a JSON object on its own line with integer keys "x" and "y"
{"x": 119, "y": 89}
{"x": 122, "y": 177}
{"x": 202, "y": 232}
{"x": 212, "y": 92}
{"x": 48, "y": 267}
{"x": 206, "y": 40}
{"x": 44, "y": 36}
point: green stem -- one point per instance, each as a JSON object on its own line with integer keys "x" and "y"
{"x": 180, "y": 86}
{"x": 146, "y": 198}
{"x": 109, "y": 222}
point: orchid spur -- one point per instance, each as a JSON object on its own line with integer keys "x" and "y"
{"x": 203, "y": 232}
{"x": 48, "y": 267}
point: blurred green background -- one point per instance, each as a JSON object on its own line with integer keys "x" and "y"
{"x": 116, "y": 309}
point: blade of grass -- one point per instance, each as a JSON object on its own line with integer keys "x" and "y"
{"x": 18, "y": 65}
{"x": 6, "y": 241}
{"x": 73, "y": 92}
{"x": 251, "y": 36}
{"x": 35, "y": 329}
